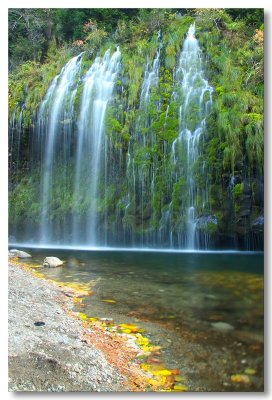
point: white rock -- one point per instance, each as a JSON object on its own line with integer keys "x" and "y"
{"x": 52, "y": 262}
{"x": 18, "y": 253}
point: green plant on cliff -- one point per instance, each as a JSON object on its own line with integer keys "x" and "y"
{"x": 232, "y": 52}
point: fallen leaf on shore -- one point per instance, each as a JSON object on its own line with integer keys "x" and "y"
{"x": 146, "y": 367}
{"x": 141, "y": 340}
{"x": 83, "y": 316}
{"x": 157, "y": 382}
{"x": 163, "y": 372}
{"x": 77, "y": 300}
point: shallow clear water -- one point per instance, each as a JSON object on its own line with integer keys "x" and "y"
{"x": 178, "y": 297}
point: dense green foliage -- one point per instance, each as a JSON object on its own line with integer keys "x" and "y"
{"x": 232, "y": 43}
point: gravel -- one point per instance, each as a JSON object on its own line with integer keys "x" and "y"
{"x": 46, "y": 349}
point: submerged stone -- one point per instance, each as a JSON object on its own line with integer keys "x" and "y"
{"x": 222, "y": 326}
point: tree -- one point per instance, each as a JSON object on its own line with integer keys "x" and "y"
{"x": 29, "y": 32}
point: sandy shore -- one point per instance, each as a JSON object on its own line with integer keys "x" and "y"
{"x": 50, "y": 349}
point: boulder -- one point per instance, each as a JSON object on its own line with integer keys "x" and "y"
{"x": 52, "y": 262}
{"x": 18, "y": 253}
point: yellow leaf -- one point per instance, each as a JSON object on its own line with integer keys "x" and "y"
{"x": 141, "y": 340}
{"x": 109, "y": 301}
{"x": 179, "y": 379}
{"x": 146, "y": 367}
{"x": 133, "y": 328}
{"x": 180, "y": 388}
{"x": 240, "y": 378}
{"x": 164, "y": 372}
{"x": 83, "y": 316}
{"x": 152, "y": 382}
{"x": 126, "y": 330}
{"x": 77, "y": 300}
{"x": 146, "y": 349}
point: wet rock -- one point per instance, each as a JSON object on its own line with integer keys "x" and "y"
{"x": 206, "y": 222}
{"x": 18, "y": 253}
{"x": 52, "y": 262}
{"x": 222, "y": 326}
{"x": 258, "y": 224}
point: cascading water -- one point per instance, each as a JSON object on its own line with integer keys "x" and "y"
{"x": 115, "y": 172}
{"x": 55, "y": 120}
{"x": 141, "y": 175}
{"x": 15, "y": 138}
{"x": 91, "y": 150}
{"x": 194, "y": 95}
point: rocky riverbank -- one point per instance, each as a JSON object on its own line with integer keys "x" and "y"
{"x": 50, "y": 349}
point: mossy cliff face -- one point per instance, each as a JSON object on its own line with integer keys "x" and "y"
{"x": 142, "y": 194}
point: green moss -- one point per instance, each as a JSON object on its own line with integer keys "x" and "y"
{"x": 238, "y": 190}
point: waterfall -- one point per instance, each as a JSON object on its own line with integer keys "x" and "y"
{"x": 194, "y": 94}
{"x": 119, "y": 153}
{"x": 55, "y": 120}
{"x": 15, "y": 137}
{"x": 140, "y": 170}
{"x": 88, "y": 169}
{"x": 91, "y": 149}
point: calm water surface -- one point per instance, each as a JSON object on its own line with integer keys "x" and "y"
{"x": 180, "y": 299}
